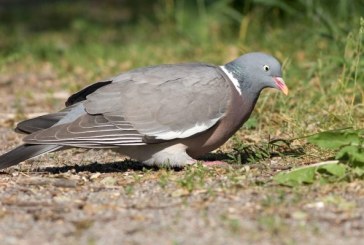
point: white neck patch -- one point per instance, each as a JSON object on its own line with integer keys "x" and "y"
{"x": 232, "y": 78}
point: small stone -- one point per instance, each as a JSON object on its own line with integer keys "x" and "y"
{"x": 108, "y": 181}
{"x": 317, "y": 205}
{"x": 95, "y": 176}
{"x": 299, "y": 215}
{"x": 179, "y": 193}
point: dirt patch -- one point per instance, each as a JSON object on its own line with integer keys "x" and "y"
{"x": 45, "y": 201}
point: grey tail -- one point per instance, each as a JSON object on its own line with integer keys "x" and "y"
{"x": 42, "y": 122}
{"x": 24, "y": 152}
{"x": 35, "y": 124}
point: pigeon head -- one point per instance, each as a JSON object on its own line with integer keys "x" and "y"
{"x": 256, "y": 71}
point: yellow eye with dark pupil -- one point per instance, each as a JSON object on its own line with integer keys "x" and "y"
{"x": 266, "y": 68}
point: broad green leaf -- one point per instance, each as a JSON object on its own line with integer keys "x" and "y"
{"x": 357, "y": 158}
{"x": 335, "y": 139}
{"x": 299, "y": 176}
{"x": 325, "y": 172}
{"x": 337, "y": 169}
{"x": 359, "y": 172}
{"x": 352, "y": 153}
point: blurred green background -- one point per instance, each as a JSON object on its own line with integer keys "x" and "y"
{"x": 319, "y": 42}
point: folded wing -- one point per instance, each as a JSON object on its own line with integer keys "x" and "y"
{"x": 143, "y": 106}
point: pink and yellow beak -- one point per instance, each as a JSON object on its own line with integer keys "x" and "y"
{"x": 281, "y": 85}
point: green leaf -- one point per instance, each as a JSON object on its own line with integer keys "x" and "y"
{"x": 299, "y": 176}
{"x": 359, "y": 172}
{"x": 354, "y": 154}
{"x": 325, "y": 172}
{"x": 335, "y": 139}
{"x": 338, "y": 170}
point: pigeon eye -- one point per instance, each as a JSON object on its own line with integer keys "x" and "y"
{"x": 266, "y": 67}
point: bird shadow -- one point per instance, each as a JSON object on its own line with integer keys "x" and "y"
{"x": 215, "y": 156}
{"x": 245, "y": 157}
{"x": 122, "y": 166}
{"x": 110, "y": 167}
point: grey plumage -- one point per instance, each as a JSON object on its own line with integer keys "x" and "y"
{"x": 157, "y": 114}
{"x": 43, "y": 122}
{"x": 127, "y": 112}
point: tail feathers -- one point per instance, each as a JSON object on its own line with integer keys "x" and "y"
{"x": 24, "y": 152}
{"x": 35, "y": 124}
{"x": 42, "y": 122}
{"x": 66, "y": 115}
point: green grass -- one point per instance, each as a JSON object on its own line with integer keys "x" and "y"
{"x": 321, "y": 64}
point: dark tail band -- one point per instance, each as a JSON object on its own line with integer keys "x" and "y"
{"x": 24, "y": 152}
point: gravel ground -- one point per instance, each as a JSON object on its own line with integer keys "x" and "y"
{"x": 97, "y": 197}
{"x": 123, "y": 203}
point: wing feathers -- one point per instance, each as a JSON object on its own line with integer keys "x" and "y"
{"x": 87, "y": 130}
{"x": 159, "y": 103}
{"x": 81, "y": 95}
